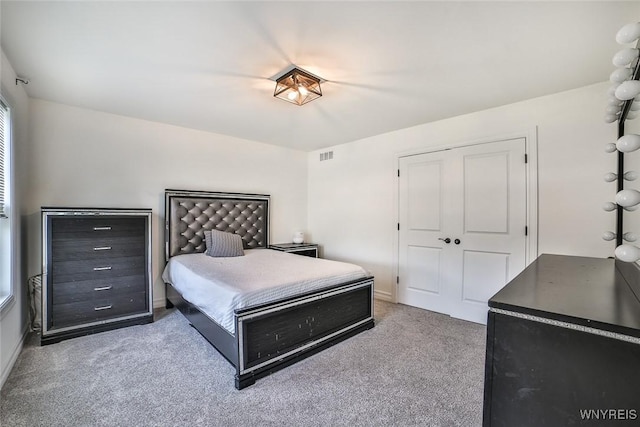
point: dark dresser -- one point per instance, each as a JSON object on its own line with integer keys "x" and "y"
{"x": 563, "y": 345}
{"x": 96, "y": 270}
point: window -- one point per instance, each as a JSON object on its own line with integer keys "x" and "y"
{"x": 4, "y": 139}
{"x": 6, "y": 246}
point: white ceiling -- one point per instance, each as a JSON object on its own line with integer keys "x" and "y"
{"x": 388, "y": 65}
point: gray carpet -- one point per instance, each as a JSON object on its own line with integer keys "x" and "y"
{"x": 415, "y": 368}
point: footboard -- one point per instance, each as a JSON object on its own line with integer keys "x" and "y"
{"x": 275, "y": 335}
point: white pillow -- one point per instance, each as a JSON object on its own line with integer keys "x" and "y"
{"x": 223, "y": 244}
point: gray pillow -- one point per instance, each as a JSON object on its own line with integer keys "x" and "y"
{"x": 222, "y": 244}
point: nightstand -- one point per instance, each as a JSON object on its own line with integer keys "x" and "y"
{"x": 305, "y": 249}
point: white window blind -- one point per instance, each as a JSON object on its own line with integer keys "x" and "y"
{"x": 4, "y": 140}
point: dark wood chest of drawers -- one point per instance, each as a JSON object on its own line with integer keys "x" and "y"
{"x": 96, "y": 271}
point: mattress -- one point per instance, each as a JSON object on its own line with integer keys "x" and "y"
{"x": 218, "y": 286}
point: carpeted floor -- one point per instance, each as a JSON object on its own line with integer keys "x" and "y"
{"x": 415, "y": 368}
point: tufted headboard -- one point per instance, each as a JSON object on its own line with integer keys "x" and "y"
{"x": 188, "y": 214}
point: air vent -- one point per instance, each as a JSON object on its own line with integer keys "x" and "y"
{"x": 327, "y": 155}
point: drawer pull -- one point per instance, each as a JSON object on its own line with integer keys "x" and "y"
{"x": 101, "y": 228}
{"x": 101, "y": 268}
{"x": 103, "y": 288}
{"x": 102, "y": 248}
{"x": 104, "y": 307}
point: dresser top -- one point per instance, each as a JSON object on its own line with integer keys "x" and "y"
{"x": 93, "y": 211}
{"x": 584, "y": 291}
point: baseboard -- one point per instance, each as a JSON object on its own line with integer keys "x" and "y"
{"x": 384, "y": 296}
{"x": 14, "y": 357}
{"x": 159, "y": 303}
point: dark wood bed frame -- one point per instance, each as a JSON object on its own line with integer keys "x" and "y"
{"x": 270, "y": 336}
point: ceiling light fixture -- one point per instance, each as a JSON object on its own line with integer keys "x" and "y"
{"x": 298, "y": 87}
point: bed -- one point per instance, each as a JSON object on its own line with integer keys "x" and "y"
{"x": 281, "y": 309}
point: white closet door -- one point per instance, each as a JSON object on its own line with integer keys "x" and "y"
{"x": 423, "y": 264}
{"x": 476, "y": 197}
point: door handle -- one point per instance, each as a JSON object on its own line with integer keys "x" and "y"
{"x": 457, "y": 241}
{"x": 446, "y": 240}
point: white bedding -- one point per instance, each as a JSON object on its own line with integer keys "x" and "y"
{"x": 218, "y": 286}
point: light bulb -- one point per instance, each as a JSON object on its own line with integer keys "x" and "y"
{"x": 631, "y": 175}
{"x": 614, "y": 101}
{"x": 608, "y": 235}
{"x": 628, "y": 198}
{"x": 621, "y": 74}
{"x": 609, "y": 118}
{"x": 635, "y": 106}
{"x": 612, "y": 89}
{"x": 292, "y": 95}
{"x": 610, "y": 148}
{"x": 609, "y": 206}
{"x": 625, "y": 57}
{"x": 632, "y": 115}
{"x": 628, "y": 90}
{"x": 631, "y": 208}
{"x": 629, "y": 33}
{"x": 627, "y": 253}
{"x": 612, "y": 110}
{"x": 630, "y": 237}
{"x": 628, "y": 143}
{"x": 303, "y": 90}
{"x": 610, "y": 177}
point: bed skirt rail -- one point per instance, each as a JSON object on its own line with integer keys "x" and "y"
{"x": 219, "y": 337}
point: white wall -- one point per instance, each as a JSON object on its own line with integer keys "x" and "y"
{"x": 352, "y": 207}
{"x": 13, "y": 318}
{"x": 85, "y": 158}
